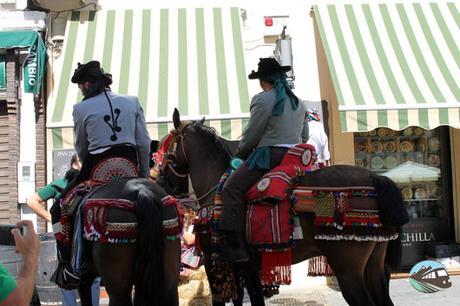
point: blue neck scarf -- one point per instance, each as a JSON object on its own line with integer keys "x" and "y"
{"x": 283, "y": 91}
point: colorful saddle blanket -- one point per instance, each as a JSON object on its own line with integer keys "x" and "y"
{"x": 93, "y": 212}
{"x": 268, "y": 219}
{"x": 343, "y": 213}
{"x": 97, "y": 227}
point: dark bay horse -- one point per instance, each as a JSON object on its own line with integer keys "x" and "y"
{"x": 151, "y": 264}
{"x": 358, "y": 265}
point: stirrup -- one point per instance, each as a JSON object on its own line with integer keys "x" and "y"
{"x": 65, "y": 278}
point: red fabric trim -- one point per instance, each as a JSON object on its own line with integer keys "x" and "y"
{"x": 269, "y": 225}
{"x": 276, "y": 267}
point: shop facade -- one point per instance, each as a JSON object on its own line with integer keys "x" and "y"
{"x": 22, "y": 119}
{"x": 390, "y": 74}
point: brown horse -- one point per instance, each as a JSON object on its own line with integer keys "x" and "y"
{"x": 358, "y": 265}
{"x": 151, "y": 264}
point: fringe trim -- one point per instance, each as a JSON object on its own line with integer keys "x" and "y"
{"x": 356, "y": 238}
{"x": 276, "y": 267}
{"x": 384, "y": 233}
{"x": 318, "y": 266}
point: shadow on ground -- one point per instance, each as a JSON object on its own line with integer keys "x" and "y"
{"x": 293, "y": 302}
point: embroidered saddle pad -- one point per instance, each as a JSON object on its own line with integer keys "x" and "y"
{"x": 343, "y": 213}
{"x": 97, "y": 226}
{"x": 268, "y": 218}
{"x": 112, "y": 168}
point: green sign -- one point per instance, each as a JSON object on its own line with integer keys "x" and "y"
{"x": 34, "y": 66}
{"x": 2, "y": 73}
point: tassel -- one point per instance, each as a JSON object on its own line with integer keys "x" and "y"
{"x": 276, "y": 267}
{"x": 318, "y": 266}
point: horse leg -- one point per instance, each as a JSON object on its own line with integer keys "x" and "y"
{"x": 348, "y": 260}
{"x": 85, "y": 290}
{"x": 375, "y": 276}
{"x": 171, "y": 264}
{"x": 114, "y": 263}
{"x": 253, "y": 283}
{"x": 211, "y": 279}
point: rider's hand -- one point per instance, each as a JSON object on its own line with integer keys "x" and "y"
{"x": 28, "y": 245}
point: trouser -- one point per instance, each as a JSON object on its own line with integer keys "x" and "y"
{"x": 235, "y": 188}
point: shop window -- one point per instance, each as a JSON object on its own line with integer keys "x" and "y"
{"x": 418, "y": 161}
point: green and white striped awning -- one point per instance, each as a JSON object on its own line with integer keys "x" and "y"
{"x": 191, "y": 59}
{"x": 393, "y": 65}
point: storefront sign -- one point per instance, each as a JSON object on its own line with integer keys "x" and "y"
{"x": 35, "y": 63}
{"x": 417, "y": 233}
{"x": 61, "y": 162}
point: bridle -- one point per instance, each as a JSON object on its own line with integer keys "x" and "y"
{"x": 167, "y": 150}
{"x": 176, "y": 139}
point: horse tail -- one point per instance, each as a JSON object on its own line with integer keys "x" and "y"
{"x": 149, "y": 248}
{"x": 390, "y": 202}
{"x": 394, "y": 251}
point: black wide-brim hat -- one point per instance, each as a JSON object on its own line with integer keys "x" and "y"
{"x": 90, "y": 71}
{"x": 268, "y": 66}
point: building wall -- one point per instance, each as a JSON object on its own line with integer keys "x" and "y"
{"x": 9, "y": 143}
{"x": 40, "y": 165}
{"x": 340, "y": 144}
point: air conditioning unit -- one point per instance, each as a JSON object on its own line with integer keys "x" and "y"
{"x": 26, "y": 180}
{"x": 62, "y": 5}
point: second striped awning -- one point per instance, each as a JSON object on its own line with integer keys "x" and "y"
{"x": 393, "y": 65}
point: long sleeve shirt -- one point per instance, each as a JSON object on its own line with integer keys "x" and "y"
{"x": 319, "y": 140}
{"x": 99, "y": 126}
{"x": 264, "y": 129}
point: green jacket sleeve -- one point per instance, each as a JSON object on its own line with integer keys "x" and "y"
{"x": 7, "y": 283}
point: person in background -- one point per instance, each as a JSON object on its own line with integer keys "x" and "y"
{"x": 19, "y": 292}
{"x": 189, "y": 259}
{"x": 37, "y": 202}
{"x": 318, "y": 138}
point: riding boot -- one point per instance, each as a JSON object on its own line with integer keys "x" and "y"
{"x": 234, "y": 251}
{"x": 63, "y": 276}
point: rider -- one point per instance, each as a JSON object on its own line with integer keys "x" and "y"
{"x": 106, "y": 125}
{"x": 277, "y": 122}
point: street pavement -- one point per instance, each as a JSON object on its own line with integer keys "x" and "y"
{"x": 402, "y": 293}
{"x": 314, "y": 291}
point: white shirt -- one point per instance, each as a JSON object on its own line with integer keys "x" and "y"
{"x": 318, "y": 138}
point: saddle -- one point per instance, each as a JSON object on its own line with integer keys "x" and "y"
{"x": 274, "y": 202}
{"x": 88, "y": 217}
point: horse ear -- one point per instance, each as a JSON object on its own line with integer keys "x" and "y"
{"x": 176, "y": 118}
{"x": 202, "y": 120}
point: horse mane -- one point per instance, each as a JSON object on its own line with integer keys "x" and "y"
{"x": 211, "y": 134}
